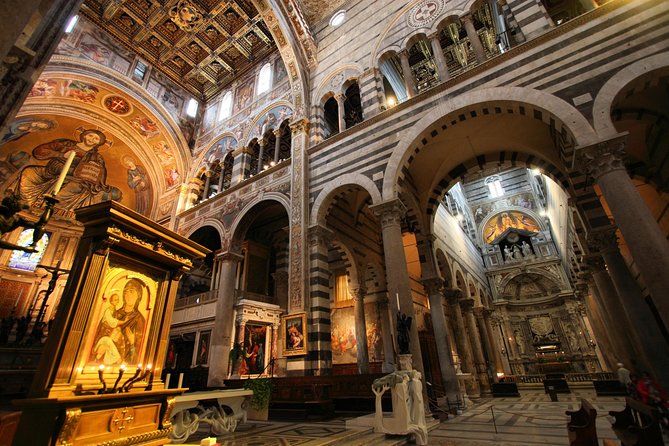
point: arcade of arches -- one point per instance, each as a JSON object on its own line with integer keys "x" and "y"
{"x": 497, "y": 171}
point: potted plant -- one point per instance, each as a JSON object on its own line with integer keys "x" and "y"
{"x": 262, "y": 391}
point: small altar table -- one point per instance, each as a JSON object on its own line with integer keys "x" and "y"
{"x": 225, "y": 410}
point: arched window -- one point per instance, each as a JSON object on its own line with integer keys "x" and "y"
{"x": 225, "y": 109}
{"x": 494, "y": 186}
{"x": 264, "y": 79}
{"x": 26, "y": 260}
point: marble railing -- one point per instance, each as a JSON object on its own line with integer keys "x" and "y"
{"x": 196, "y": 299}
{"x": 570, "y": 377}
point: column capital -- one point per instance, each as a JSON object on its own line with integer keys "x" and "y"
{"x": 453, "y": 295}
{"x": 595, "y": 263}
{"x": 300, "y": 126}
{"x": 278, "y": 132}
{"x": 433, "y": 285}
{"x": 389, "y": 212}
{"x": 230, "y": 256}
{"x": 467, "y": 18}
{"x": 340, "y": 98}
{"x": 404, "y": 53}
{"x": 434, "y": 36}
{"x": 240, "y": 150}
{"x": 467, "y": 304}
{"x": 262, "y": 142}
{"x": 602, "y": 157}
{"x": 358, "y": 292}
{"x": 603, "y": 240}
{"x": 320, "y": 235}
{"x": 479, "y": 311}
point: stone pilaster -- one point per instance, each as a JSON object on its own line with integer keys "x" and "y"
{"x": 221, "y": 336}
{"x": 434, "y": 287}
{"x": 358, "y": 294}
{"x": 371, "y": 92}
{"x": 646, "y": 242}
{"x": 298, "y": 214}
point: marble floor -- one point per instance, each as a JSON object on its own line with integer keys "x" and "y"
{"x": 529, "y": 420}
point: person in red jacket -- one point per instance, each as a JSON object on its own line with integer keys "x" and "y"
{"x": 651, "y": 393}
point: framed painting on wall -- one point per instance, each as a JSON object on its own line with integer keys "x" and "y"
{"x": 294, "y": 334}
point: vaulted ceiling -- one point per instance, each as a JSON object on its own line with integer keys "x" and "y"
{"x": 202, "y": 45}
{"x": 317, "y": 10}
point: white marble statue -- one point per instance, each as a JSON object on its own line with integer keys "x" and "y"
{"x": 408, "y": 416}
{"x": 526, "y": 248}
{"x": 508, "y": 255}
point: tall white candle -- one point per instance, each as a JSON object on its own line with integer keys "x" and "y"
{"x": 397, "y": 295}
{"x": 181, "y": 380}
{"x": 63, "y": 173}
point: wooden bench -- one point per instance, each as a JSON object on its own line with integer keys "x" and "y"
{"x": 637, "y": 425}
{"x": 582, "y": 427}
{"x": 609, "y": 387}
{"x": 221, "y": 409}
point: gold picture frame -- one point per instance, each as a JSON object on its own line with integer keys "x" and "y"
{"x": 294, "y": 329}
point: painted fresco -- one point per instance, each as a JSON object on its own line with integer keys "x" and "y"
{"x": 523, "y": 200}
{"x": 243, "y": 95}
{"x": 270, "y": 120}
{"x": 220, "y": 149}
{"x": 104, "y": 168}
{"x": 344, "y": 344}
{"x": 505, "y": 220}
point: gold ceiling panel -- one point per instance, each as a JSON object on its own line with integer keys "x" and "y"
{"x": 201, "y": 45}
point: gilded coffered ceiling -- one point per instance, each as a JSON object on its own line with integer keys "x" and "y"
{"x": 203, "y": 45}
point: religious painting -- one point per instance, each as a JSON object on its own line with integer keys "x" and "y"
{"x": 220, "y": 149}
{"x": 509, "y": 219}
{"x": 117, "y": 105}
{"x": 202, "y": 357}
{"x": 94, "y": 50}
{"x": 294, "y": 334}
{"x": 243, "y": 95}
{"x": 117, "y": 332}
{"x": 163, "y": 152}
{"x": 343, "y": 339}
{"x": 523, "y": 200}
{"x": 44, "y": 87}
{"x": 255, "y": 346}
{"x": 171, "y": 176}
{"x": 103, "y": 168}
{"x": 271, "y": 120}
{"x": 81, "y": 91}
{"x": 145, "y": 126}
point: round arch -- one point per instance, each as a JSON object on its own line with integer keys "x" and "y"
{"x": 601, "y": 109}
{"x": 247, "y": 212}
{"x": 342, "y": 184}
{"x": 352, "y": 267}
{"x": 564, "y": 113}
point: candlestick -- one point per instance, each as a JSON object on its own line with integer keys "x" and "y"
{"x": 150, "y": 385}
{"x": 63, "y": 173}
{"x": 128, "y": 384}
{"x": 102, "y": 380}
{"x": 181, "y": 380}
{"x": 397, "y": 295}
{"x": 167, "y": 380}
{"x": 121, "y": 370}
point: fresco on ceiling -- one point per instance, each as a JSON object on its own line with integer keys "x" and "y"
{"x": 220, "y": 149}
{"x": 342, "y": 336}
{"x": 279, "y": 71}
{"x": 505, "y": 220}
{"x": 109, "y": 103}
{"x": 523, "y": 200}
{"x": 270, "y": 120}
{"x": 104, "y": 168}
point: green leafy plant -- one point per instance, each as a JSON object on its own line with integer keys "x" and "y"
{"x": 236, "y": 352}
{"x": 262, "y": 391}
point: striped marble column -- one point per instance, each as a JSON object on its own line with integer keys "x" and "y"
{"x": 319, "y": 347}
{"x": 531, "y": 16}
{"x": 371, "y": 92}
{"x": 240, "y": 165}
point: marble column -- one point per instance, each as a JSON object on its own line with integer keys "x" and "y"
{"x": 494, "y": 348}
{"x": 397, "y": 276}
{"x": 388, "y": 365}
{"x": 467, "y": 306}
{"x": 358, "y": 294}
{"x": 221, "y": 177}
{"x": 650, "y": 339}
{"x": 474, "y": 38}
{"x": 409, "y": 82}
{"x": 262, "y": 142}
{"x": 319, "y": 347}
{"x": 298, "y": 260}
{"x": 644, "y": 238}
{"x": 221, "y": 337}
{"x": 340, "y": 98}
{"x": 485, "y": 342}
{"x": 434, "y": 288}
{"x": 618, "y": 322}
{"x": 207, "y": 185}
{"x": 277, "y": 144}
{"x": 461, "y": 339}
{"x": 439, "y": 58}
{"x": 604, "y": 346}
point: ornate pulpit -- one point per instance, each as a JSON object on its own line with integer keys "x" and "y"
{"x": 99, "y": 377}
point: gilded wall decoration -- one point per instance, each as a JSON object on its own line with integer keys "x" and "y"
{"x": 509, "y": 219}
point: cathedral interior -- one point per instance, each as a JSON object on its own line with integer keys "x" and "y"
{"x": 495, "y": 170}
